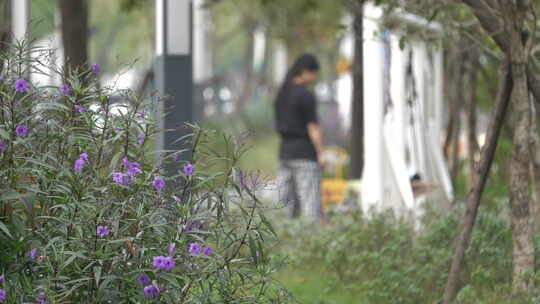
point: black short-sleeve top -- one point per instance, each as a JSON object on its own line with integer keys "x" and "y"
{"x": 292, "y": 117}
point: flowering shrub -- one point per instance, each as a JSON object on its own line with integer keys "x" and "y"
{"x": 88, "y": 215}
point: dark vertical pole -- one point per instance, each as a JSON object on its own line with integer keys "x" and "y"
{"x": 357, "y": 122}
{"x": 174, "y": 76}
{"x": 74, "y": 25}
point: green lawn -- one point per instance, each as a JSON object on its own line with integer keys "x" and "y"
{"x": 312, "y": 286}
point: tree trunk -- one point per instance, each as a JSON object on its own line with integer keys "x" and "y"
{"x": 522, "y": 238}
{"x": 74, "y": 14}
{"x": 357, "y": 121}
{"x": 480, "y": 176}
{"x": 535, "y": 171}
{"x": 247, "y": 90}
{"x": 453, "y": 76}
{"x": 458, "y": 105}
{"x": 472, "y": 144}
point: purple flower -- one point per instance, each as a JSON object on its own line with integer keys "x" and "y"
{"x": 95, "y": 68}
{"x": 21, "y": 130}
{"x": 143, "y": 279}
{"x": 3, "y": 145}
{"x": 21, "y": 85}
{"x": 172, "y": 249}
{"x": 158, "y": 262}
{"x": 102, "y": 231}
{"x": 168, "y": 263}
{"x": 65, "y": 89}
{"x": 42, "y": 297}
{"x": 159, "y": 183}
{"x": 121, "y": 178}
{"x": 3, "y": 295}
{"x": 2, "y": 279}
{"x": 151, "y": 291}
{"x": 133, "y": 168}
{"x": 117, "y": 130}
{"x": 140, "y": 140}
{"x": 79, "y": 165}
{"x": 164, "y": 263}
{"x": 81, "y": 109}
{"x": 34, "y": 253}
{"x": 84, "y": 156}
{"x": 140, "y": 115}
{"x": 188, "y": 169}
{"x": 195, "y": 248}
{"x": 177, "y": 199}
{"x": 207, "y": 251}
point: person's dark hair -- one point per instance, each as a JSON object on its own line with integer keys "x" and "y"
{"x": 305, "y": 62}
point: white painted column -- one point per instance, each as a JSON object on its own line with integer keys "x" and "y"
{"x": 373, "y": 178}
{"x": 20, "y": 17}
{"x": 202, "y": 55}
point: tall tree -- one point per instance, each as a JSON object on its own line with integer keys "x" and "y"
{"x": 522, "y": 236}
{"x": 506, "y": 24}
{"x": 74, "y": 15}
{"x": 357, "y": 123}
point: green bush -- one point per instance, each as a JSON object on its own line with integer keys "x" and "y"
{"x": 382, "y": 259}
{"x": 88, "y": 216}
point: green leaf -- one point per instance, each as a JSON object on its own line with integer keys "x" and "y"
{"x": 5, "y": 229}
{"x": 402, "y": 43}
{"x": 97, "y": 274}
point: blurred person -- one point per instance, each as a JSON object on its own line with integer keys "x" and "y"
{"x": 301, "y": 147}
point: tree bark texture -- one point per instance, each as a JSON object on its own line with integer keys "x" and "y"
{"x": 249, "y": 75}
{"x": 456, "y": 115}
{"x": 522, "y": 237}
{"x": 535, "y": 172}
{"x": 480, "y": 177}
{"x": 74, "y": 14}
{"x": 472, "y": 143}
{"x": 357, "y": 122}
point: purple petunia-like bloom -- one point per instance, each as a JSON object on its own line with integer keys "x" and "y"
{"x": 33, "y": 254}
{"x": 42, "y": 298}
{"x": 208, "y": 251}
{"x": 158, "y": 261}
{"x": 133, "y": 168}
{"x": 3, "y": 295}
{"x": 21, "y": 85}
{"x": 151, "y": 291}
{"x": 143, "y": 279}
{"x": 164, "y": 263}
{"x": 195, "y": 248}
{"x": 78, "y": 165}
{"x": 81, "y": 109}
{"x": 102, "y": 231}
{"x": 84, "y": 156}
{"x": 21, "y": 130}
{"x": 65, "y": 89}
{"x": 168, "y": 263}
{"x": 95, "y": 68}
{"x": 188, "y": 169}
{"x": 159, "y": 183}
{"x": 140, "y": 115}
{"x": 121, "y": 178}
{"x": 140, "y": 140}
{"x": 3, "y": 145}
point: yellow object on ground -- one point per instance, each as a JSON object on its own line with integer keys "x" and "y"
{"x": 334, "y": 189}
